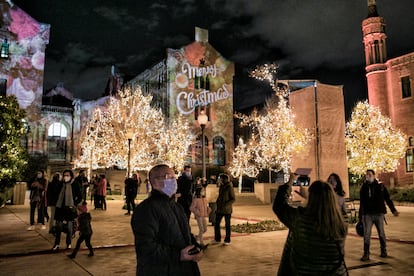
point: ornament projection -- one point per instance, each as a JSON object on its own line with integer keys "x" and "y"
{"x": 372, "y": 142}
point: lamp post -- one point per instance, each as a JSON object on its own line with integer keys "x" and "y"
{"x": 202, "y": 120}
{"x": 129, "y": 137}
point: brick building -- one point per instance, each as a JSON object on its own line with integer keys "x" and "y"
{"x": 390, "y": 86}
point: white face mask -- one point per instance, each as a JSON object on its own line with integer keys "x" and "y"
{"x": 370, "y": 179}
{"x": 66, "y": 178}
{"x": 170, "y": 186}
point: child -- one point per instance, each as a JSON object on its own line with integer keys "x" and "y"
{"x": 85, "y": 230}
{"x": 201, "y": 211}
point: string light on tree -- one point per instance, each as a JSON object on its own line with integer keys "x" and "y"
{"x": 243, "y": 162}
{"x": 175, "y": 143}
{"x": 372, "y": 142}
{"x": 278, "y": 138}
{"x": 105, "y": 142}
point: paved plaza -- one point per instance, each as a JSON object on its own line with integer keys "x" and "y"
{"x": 25, "y": 252}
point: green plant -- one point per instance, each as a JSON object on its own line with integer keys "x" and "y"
{"x": 263, "y": 226}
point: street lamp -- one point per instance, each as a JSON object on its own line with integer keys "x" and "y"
{"x": 129, "y": 135}
{"x": 202, "y": 120}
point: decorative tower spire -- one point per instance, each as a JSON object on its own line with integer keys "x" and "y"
{"x": 373, "y": 29}
{"x": 372, "y": 8}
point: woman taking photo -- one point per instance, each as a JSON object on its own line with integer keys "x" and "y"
{"x": 316, "y": 238}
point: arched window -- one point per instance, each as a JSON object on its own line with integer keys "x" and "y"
{"x": 219, "y": 151}
{"x": 56, "y": 141}
{"x": 199, "y": 152}
{"x": 409, "y": 162}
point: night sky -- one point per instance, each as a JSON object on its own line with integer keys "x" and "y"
{"x": 308, "y": 39}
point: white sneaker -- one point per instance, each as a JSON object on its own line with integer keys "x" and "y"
{"x": 43, "y": 227}
{"x": 226, "y": 243}
{"x": 31, "y": 228}
{"x": 69, "y": 246}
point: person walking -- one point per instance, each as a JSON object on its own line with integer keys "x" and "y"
{"x": 100, "y": 192}
{"x": 83, "y": 183}
{"x": 224, "y": 202}
{"x": 163, "y": 242}
{"x": 37, "y": 198}
{"x": 317, "y": 232}
{"x": 201, "y": 210}
{"x": 131, "y": 190}
{"x": 372, "y": 210}
{"x": 184, "y": 190}
{"x": 336, "y": 183}
{"x": 69, "y": 197}
{"x": 85, "y": 230}
{"x": 52, "y": 194}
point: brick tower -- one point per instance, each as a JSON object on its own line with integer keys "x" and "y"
{"x": 373, "y": 28}
{"x": 390, "y": 87}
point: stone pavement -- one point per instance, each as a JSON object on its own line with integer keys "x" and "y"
{"x": 25, "y": 252}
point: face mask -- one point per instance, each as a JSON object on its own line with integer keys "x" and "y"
{"x": 66, "y": 178}
{"x": 370, "y": 179}
{"x": 170, "y": 187}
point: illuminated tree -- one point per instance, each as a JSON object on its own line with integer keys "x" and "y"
{"x": 95, "y": 144}
{"x": 243, "y": 162}
{"x": 372, "y": 142}
{"x": 13, "y": 156}
{"x": 278, "y": 138}
{"x": 175, "y": 142}
{"x": 131, "y": 118}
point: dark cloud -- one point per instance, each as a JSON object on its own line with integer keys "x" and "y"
{"x": 309, "y": 39}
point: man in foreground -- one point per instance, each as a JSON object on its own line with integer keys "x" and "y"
{"x": 163, "y": 243}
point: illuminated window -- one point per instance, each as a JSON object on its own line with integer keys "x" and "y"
{"x": 406, "y": 87}
{"x": 57, "y": 130}
{"x": 409, "y": 164}
{"x": 219, "y": 151}
{"x": 56, "y": 141}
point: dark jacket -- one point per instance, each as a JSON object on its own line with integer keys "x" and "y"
{"x": 161, "y": 231}
{"x": 37, "y": 189}
{"x": 373, "y": 197}
{"x": 306, "y": 252}
{"x": 131, "y": 187}
{"x": 65, "y": 214}
{"x": 52, "y": 193}
{"x": 185, "y": 187}
{"x": 84, "y": 221}
{"x": 225, "y": 199}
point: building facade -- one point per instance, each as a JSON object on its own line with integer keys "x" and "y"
{"x": 193, "y": 79}
{"x": 390, "y": 87}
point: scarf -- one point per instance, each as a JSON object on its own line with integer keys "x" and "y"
{"x": 65, "y": 196}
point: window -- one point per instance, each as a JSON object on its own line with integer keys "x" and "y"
{"x": 56, "y": 141}
{"x": 406, "y": 87}
{"x": 219, "y": 151}
{"x": 199, "y": 152}
{"x": 409, "y": 160}
{"x": 409, "y": 155}
{"x": 3, "y": 87}
{"x": 409, "y": 164}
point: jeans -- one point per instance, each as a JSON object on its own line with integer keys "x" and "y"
{"x": 217, "y": 234}
{"x": 87, "y": 239}
{"x": 130, "y": 202}
{"x": 202, "y": 228}
{"x": 373, "y": 219}
{"x": 59, "y": 229}
{"x": 33, "y": 207}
